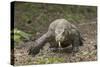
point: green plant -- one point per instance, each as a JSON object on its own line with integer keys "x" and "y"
{"x": 50, "y": 60}
{"x": 20, "y": 35}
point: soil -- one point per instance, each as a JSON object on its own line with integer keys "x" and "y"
{"x": 88, "y": 52}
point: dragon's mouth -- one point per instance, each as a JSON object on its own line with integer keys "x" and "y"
{"x": 59, "y": 43}
{"x": 59, "y": 46}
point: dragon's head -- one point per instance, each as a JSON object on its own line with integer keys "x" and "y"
{"x": 59, "y": 35}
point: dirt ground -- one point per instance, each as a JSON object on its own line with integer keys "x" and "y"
{"x": 88, "y": 52}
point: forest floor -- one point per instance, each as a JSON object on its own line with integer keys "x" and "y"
{"x": 88, "y": 52}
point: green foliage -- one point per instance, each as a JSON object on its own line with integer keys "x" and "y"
{"x": 41, "y": 15}
{"x": 86, "y": 53}
{"x": 50, "y": 60}
{"x": 20, "y": 35}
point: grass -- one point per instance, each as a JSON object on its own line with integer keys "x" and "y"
{"x": 49, "y": 60}
{"x": 20, "y": 35}
{"x": 41, "y": 15}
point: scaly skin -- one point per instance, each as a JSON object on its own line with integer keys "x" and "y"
{"x": 61, "y": 31}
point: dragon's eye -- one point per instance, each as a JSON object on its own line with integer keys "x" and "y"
{"x": 63, "y": 33}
